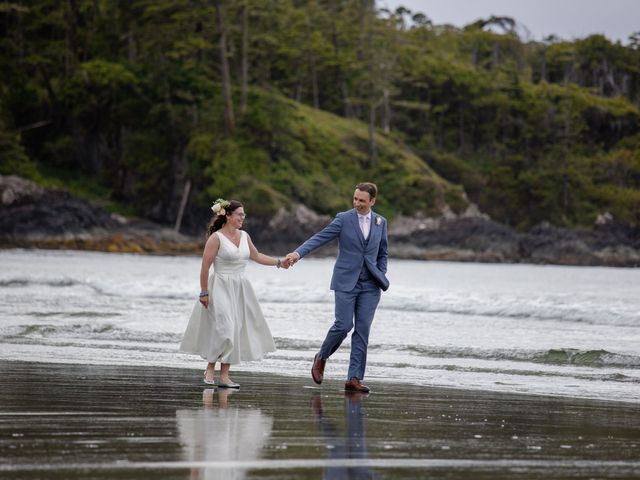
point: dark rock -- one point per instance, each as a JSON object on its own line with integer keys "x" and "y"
{"x": 30, "y": 212}
{"x": 482, "y": 240}
{"x": 287, "y": 229}
{"x": 467, "y": 239}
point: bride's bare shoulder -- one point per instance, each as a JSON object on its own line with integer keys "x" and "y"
{"x": 213, "y": 240}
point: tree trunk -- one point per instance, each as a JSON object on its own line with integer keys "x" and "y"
{"x": 245, "y": 59}
{"x": 461, "y": 138}
{"x": 495, "y": 57}
{"x": 183, "y": 204}
{"x": 229, "y": 118}
{"x": 348, "y": 107}
{"x": 565, "y": 165}
{"x": 386, "y": 117}
{"x": 314, "y": 83}
{"x": 132, "y": 50}
{"x": 71, "y": 37}
{"x": 373, "y": 153}
{"x": 543, "y": 68}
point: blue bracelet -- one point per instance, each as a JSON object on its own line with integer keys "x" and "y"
{"x": 204, "y": 294}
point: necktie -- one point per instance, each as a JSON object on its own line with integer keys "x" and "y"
{"x": 363, "y": 226}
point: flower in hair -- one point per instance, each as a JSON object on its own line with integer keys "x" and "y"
{"x": 219, "y": 206}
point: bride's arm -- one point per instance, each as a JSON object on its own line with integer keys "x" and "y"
{"x": 263, "y": 259}
{"x": 209, "y": 255}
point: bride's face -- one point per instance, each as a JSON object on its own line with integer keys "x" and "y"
{"x": 236, "y": 219}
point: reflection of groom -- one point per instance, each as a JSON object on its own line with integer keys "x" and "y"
{"x": 352, "y": 445}
{"x": 358, "y": 276}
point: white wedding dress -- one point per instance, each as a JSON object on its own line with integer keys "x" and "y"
{"x": 233, "y": 328}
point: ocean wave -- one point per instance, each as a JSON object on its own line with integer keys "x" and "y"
{"x": 545, "y": 307}
{"x": 587, "y": 358}
{"x": 517, "y": 307}
{"x": 567, "y": 356}
{"x": 132, "y": 289}
{"x": 82, "y": 314}
{"x": 27, "y": 282}
{"x": 613, "y": 377}
{"x": 88, "y": 331}
{"x": 108, "y": 331}
{"x": 87, "y": 344}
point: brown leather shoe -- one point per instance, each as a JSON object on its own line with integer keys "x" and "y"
{"x": 355, "y": 385}
{"x": 317, "y": 370}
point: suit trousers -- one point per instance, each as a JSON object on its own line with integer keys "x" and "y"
{"x": 355, "y": 308}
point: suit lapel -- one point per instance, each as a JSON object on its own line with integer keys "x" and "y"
{"x": 356, "y": 225}
{"x": 374, "y": 228}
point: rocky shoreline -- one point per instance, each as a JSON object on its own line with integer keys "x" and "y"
{"x": 475, "y": 239}
{"x": 33, "y": 217}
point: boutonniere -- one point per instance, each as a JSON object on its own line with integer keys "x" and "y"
{"x": 378, "y": 220}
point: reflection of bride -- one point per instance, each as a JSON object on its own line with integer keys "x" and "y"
{"x": 222, "y": 434}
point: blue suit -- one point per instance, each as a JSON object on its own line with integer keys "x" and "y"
{"x": 358, "y": 277}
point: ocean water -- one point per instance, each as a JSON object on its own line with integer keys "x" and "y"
{"x": 541, "y": 330}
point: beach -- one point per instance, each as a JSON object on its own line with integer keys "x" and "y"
{"x": 477, "y": 371}
{"x": 91, "y": 421}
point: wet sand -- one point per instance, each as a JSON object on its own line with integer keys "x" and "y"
{"x": 114, "y": 422}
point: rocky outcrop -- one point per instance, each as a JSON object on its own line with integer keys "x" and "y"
{"x": 32, "y": 216}
{"x": 28, "y": 212}
{"x": 287, "y": 229}
{"x": 479, "y": 239}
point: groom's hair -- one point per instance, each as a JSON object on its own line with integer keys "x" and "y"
{"x": 368, "y": 187}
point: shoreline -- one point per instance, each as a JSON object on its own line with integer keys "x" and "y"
{"x": 88, "y": 421}
{"x": 119, "y": 244}
{"x": 336, "y": 383}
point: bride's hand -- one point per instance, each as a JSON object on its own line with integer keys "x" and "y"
{"x": 285, "y": 264}
{"x": 204, "y": 301}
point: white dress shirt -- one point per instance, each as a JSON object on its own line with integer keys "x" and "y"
{"x": 365, "y": 224}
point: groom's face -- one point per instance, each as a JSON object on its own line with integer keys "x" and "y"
{"x": 362, "y": 202}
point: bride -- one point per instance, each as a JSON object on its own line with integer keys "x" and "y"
{"x": 227, "y": 324}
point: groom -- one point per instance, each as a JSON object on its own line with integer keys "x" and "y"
{"x": 358, "y": 277}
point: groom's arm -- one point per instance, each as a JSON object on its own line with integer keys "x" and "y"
{"x": 324, "y": 236}
{"x": 381, "y": 261}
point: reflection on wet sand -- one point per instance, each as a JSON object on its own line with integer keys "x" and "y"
{"x": 351, "y": 444}
{"x": 220, "y": 432}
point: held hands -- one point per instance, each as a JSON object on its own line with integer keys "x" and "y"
{"x": 283, "y": 263}
{"x": 288, "y": 261}
{"x": 291, "y": 258}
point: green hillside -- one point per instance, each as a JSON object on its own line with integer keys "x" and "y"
{"x": 139, "y": 105}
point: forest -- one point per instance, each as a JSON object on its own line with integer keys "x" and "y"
{"x": 154, "y": 108}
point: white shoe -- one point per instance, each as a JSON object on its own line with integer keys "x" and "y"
{"x": 208, "y": 382}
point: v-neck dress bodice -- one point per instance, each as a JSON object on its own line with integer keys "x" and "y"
{"x": 231, "y": 259}
{"x": 233, "y": 329}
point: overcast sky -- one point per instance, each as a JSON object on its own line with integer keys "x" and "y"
{"x": 568, "y": 19}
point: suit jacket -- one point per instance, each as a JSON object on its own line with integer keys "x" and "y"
{"x": 353, "y": 253}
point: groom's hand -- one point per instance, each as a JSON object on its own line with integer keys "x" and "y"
{"x": 285, "y": 263}
{"x": 292, "y": 258}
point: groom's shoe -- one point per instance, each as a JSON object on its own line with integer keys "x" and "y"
{"x": 355, "y": 385}
{"x": 317, "y": 370}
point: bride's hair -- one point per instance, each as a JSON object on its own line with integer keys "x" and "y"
{"x": 218, "y": 221}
